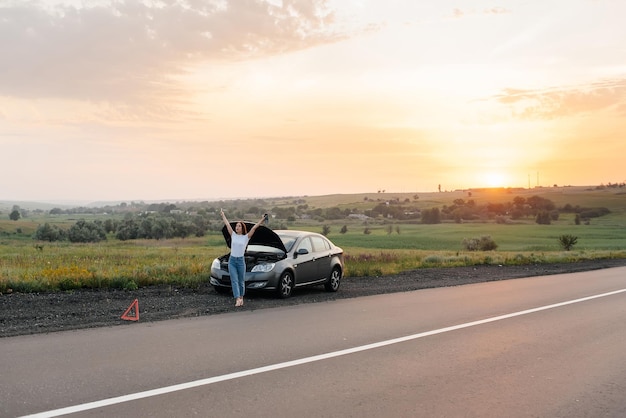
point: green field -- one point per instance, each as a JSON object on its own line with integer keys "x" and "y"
{"x": 389, "y": 246}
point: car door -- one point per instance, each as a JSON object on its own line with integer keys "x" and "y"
{"x": 306, "y": 269}
{"x": 321, "y": 249}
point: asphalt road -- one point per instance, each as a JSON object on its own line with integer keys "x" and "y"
{"x": 515, "y": 348}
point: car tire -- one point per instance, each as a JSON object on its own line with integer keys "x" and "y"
{"x": 333, "y": 282}
{"x": 285, "y": 285}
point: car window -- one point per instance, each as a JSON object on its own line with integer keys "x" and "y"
{"x": 320, "y": 244}
{"x": 306, "y": 244}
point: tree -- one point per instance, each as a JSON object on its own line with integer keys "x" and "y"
{"x": 458, "y": 202}
{"x": 83, "y": 231}
{"x": 431, "y": 216}
{"x": 538, "y": 203}
{"x": 519, "y": 202}
{"x": 50, "y": 233}
{"x": 334, "y": 213}
{"x": 543, "y": 218}
{"x": 567, "y": 241}
{"x": 110, "y": 225}
{"x": 15, "y": 215}
{"x": 129, "y": 229}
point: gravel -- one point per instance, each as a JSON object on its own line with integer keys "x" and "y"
{"x": 36, "y": 313}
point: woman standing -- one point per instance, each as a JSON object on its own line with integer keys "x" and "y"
{"x": 236, "y": 263}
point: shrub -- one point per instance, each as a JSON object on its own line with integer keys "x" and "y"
{"x": 594, "y": 212}
{"x": 543, "y": 218}
{"x": 567, "y": 241}
{"x": 484, "y": 243}
{"x": 50, "y": 233}
{"x": 85, "y": 231}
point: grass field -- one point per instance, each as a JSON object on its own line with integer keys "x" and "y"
{"x": 30, "y": 266}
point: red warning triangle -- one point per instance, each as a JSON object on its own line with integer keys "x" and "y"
{"x": 132, "y": 313}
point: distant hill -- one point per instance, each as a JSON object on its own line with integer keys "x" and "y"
{"x": 6, "y": 205}
{"x": 590, "y": 195}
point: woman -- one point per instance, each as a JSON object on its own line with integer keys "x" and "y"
{"x": 236, "y": 263}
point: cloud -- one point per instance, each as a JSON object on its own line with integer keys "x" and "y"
{"x": 128, "y": 49}
{"x": 566, "y": 101}
{"x": 496, "y": 11}
{"x": 459, "y": 13}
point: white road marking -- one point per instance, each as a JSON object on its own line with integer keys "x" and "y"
{"x": 258, "y": 370}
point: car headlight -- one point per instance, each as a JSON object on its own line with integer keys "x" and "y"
{"x": 215, "y": 265}
{"x": 263, "y": 268}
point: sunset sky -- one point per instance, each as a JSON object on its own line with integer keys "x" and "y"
{"x": 189, "y": 99}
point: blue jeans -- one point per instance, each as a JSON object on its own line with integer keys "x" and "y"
{"x": 237, "y": 270}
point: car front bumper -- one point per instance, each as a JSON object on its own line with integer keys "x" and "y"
{"x": 254, "y": 281}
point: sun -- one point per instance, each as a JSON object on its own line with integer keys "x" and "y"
{"x": 494, "y": 179}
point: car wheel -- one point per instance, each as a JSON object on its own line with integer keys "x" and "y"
{"x": 332, "y": 284}
{"x": 285, "y": 285}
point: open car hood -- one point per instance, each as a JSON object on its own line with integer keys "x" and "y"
{"x": 262, "y": 236}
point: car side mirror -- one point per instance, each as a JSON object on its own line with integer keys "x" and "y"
{"x": 301, "y": 251}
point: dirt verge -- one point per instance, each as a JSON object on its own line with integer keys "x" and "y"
{"x": 22, "y": 314}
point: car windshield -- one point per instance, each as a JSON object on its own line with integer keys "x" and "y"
{"x": 288, "y": 240}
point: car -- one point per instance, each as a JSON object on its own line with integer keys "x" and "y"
{"x": 282, "y": 260}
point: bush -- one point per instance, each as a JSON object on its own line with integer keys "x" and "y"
{"x": 50, "y": 233}
{"x": 567, "y": 241}
{"x": 484, "y": 243}
{"x": 543, "y": 218}
{"x": 594, "y": 212}
{"x": 84, "y": 231}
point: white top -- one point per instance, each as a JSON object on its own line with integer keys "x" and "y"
{"x": 238, "y": 244}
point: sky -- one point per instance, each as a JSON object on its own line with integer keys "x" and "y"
{"x": 129, "y": 100}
